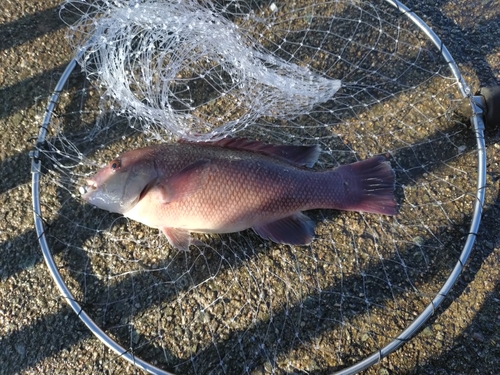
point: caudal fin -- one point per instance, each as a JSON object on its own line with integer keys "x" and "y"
{"x": 370, "y": 186}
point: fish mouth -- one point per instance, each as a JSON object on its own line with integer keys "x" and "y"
{"x": 91, "y": 186}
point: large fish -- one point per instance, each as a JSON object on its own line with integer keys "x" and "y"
{"x": 234, "y": 184}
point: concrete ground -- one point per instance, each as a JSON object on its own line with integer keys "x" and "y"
{"x": 39, "y": 333}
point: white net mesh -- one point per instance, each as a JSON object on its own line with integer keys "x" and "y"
{"x": 173, "y": 63}
{"x": 241, "y": 304}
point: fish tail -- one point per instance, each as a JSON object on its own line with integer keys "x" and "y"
{"x": 368, "y": 186}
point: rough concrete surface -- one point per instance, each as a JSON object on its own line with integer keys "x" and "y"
{"x": 39, "y": 333}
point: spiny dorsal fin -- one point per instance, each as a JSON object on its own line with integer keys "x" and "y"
{"x": 296, "y": 155}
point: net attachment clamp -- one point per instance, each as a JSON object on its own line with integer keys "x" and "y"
{"x": 489, "y": 98}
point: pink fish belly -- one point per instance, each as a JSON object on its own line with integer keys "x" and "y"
{"x": 236, "y": 196}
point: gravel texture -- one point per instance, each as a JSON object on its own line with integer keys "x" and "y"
{"x": 39, "y": 333}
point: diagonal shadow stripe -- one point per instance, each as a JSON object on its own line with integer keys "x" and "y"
{"x": 29, "y": 27}
{"x": 472, "y": 352}
{"x": 462, "y": 42}
{"x": 15, "y": 170}
{"x": 24, "y": 93}
{"x": 62, "y": 329}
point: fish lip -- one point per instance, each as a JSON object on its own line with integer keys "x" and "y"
{"x": 85, "y": 191}
{"x": 92, "y": 184}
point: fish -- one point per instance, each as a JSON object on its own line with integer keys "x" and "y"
{"x": 234, "y": 184}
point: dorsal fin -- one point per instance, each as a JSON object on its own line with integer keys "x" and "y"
{"x": 296, "y": 155}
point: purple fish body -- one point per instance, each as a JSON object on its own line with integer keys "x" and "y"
{"x": 235, "y": 184}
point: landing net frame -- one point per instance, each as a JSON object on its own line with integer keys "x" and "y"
{"x": 405, "y": 335}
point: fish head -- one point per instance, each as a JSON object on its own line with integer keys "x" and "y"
{"x": 122, "y": 183}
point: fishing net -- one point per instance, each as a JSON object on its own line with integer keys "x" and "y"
{"x": 359, "y": 79}
{"x": 165, "y": 63}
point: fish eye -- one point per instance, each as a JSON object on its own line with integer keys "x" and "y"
{"x": 116, "y": 164}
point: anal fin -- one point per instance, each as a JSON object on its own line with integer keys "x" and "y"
{"x": 178, "y": 238}
{"x": 297, "y": 229}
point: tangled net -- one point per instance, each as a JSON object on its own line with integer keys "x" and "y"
{"x": 174, "y": 65}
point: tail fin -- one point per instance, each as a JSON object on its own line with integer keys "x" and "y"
{"x": 370, "y": 185}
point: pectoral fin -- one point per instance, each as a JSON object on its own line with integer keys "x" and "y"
{"x": 297, "y": 229}
{"x": 184, "y": 183}
{"x": 178, "y": 238}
